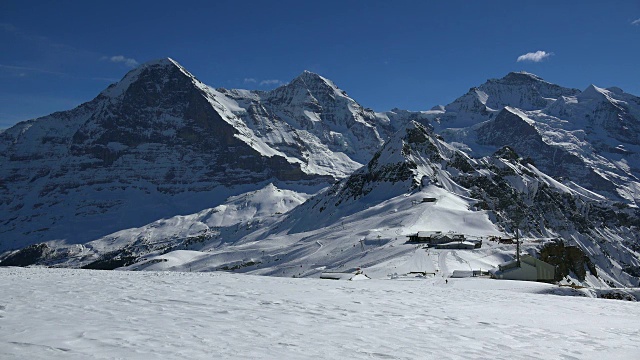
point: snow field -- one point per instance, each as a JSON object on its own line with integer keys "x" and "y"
{"x": 80, "y": 314}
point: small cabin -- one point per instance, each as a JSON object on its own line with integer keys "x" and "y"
{"x": 358, "y": 275}
{"x": 433, "y": 238}
{"x": 529, "y": 269}
{"x": 423, "y": 236}
{"x": 423, "y": 200}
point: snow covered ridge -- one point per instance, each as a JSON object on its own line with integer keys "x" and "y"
{"x": 162, "y": 172}
{"x": 498, "y": 194}
{"x": 361, "y": 222}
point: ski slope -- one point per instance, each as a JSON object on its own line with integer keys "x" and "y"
{"x": 82, "y": 314}
{"x": 373, "y": 238}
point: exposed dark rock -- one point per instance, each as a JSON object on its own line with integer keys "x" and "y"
{"x": 567, "y": 259}
{"x": 509, "y": 129}
{"x": 29, "y": 255}
{"x": 616, "y": 295}
{"x": 113, "y": 260}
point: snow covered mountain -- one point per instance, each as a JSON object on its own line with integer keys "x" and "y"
{"x": 590, "y": 138}
{"x": 363, "y": 220}
{"x": 162, "y": 172}
{"x": 502, "y": 189}
{"x": 161, "y": 143}
{"x": 312, "y": 116}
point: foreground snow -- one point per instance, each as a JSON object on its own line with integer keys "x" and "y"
{"x": 81, "y": 314}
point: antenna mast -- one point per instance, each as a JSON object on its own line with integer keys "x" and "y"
{"x": 518, "y": 247}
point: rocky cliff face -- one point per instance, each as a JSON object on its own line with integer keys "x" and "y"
{"x": 409, "y": 160}
{"x": 312, "y": 120}
{"x": 157, "y": 144}
{"x": 586, "y": 137}
{"x": 567, "y": 260}
{"x": 512, "y": 128}
{"x": 524, "y": 91}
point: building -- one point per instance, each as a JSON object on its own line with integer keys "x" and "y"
{"x": 528, "y": 269}
{"x": 435, "y": 237}
{"x": 422, "y": 236}
{"x": 424, "y": 200}
{"x": 464, "y": 245}
{"x": 358, "y": 275}
{"x": 468, "y": 273}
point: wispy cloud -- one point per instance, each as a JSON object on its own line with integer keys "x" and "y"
{"x": 270, "y": 82}
{"x": 635, "y": 22}
{"x": 55, "y": 55}
{"x": 130, "y": 62}
{"x": 43, "y": 43}
{"x": 534, "y": 56}
{"x": 8, "y": 27}
{"x": 22, "y": 69}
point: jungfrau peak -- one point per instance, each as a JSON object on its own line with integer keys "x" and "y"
{"x": 589, "y": 138}
{"x": 522, "y": 90}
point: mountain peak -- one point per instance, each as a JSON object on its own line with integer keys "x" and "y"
{"x": 165, "y": 64}
{"x": 160, "y": 69}
{"x": 520, "y": 89}
{"x": 167, "y": 61}
{"x": 593, "y": 92}
{"x": 309, "y": 79}
{"x": 310, "y": 75}
{"x": 521, "y": 77}
{"x": 311, "y": 84}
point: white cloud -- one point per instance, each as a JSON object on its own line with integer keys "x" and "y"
{"x": 534, "y": 56}
{"x": 270, "y": 82}
{"x": 635, "y": 22}
{"x": 121, "y": 59}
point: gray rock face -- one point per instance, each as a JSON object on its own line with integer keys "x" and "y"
{"x": 509, "y": 129}
{"x": 412, "y": 157}
{"x": 151, "y": 146}
{"x": 163, "y": 109}
{"x": 590, "y": 137}
{"x": 312, "y": 116}
{"x": 524, "y": 91}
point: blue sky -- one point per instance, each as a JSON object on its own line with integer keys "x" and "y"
{"x": 385, "y": 54}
